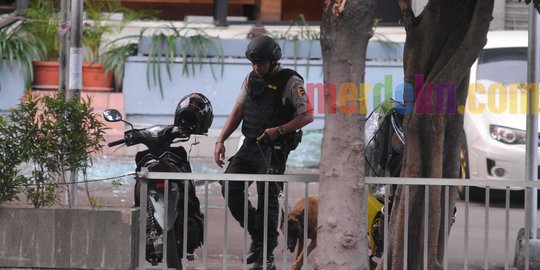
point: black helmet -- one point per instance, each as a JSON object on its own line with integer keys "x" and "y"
{"x": 194, "y": 114}
{"x": 263, "y": 48}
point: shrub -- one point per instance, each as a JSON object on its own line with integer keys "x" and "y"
{"x": 53, "y": 136}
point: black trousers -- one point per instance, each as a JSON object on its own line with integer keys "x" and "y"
{"x": 257, "y": 159}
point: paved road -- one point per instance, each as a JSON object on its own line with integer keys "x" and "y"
{"x": 497, "y": 251}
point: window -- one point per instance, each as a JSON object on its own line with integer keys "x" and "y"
{"x": 503, "y": 65}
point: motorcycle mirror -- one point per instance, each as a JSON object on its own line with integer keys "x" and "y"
{"x": 112, "y": 115}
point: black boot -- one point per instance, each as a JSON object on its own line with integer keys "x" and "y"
{"x": 269, "y": 263}
{"x": 259, "y": 264}
{"x": 255, "y": 252}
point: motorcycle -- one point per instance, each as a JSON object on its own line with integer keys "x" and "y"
{"x": 383, "y": 156}
{"x": 193, "y": 116}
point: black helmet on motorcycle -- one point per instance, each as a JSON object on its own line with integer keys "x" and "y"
{"x": 194, "y": 114}
{"x": 263, "y": 48}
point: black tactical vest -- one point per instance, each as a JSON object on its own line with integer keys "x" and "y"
{"x": 263, "y": 107}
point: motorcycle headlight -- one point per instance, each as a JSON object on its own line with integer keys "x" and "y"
{"x": 507, "y": 135}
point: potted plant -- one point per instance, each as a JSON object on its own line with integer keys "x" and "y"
{"x": 14, "y": 49}
{"x": 97, "y": 74}
{"x": 193, "y": 46}
{"x": 41, "y": 30}
{"x": 42, "y": 26}
{"x": 96, "y": 26}
{"x": 114, "y": 58}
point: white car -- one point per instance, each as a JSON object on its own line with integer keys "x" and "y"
{"x": 495, "y": 115}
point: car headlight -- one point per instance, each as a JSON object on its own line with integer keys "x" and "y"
{"x": 507, "y": 135}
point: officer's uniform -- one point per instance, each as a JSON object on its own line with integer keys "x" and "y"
{"x": 266, "y": 103}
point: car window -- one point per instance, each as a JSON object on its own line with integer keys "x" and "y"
{"x": 503, "y": 65}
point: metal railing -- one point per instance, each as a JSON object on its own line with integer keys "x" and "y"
{"x": 312, "y": 178}
{"x": 505, "y": 185}
{"x": 206, "y": 179}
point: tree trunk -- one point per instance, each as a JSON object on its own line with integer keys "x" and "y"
{"x": 441, "y": 45}
{"x": 342, "y": 241}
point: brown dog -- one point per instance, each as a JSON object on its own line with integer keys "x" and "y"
{"x": 295, "y": 230}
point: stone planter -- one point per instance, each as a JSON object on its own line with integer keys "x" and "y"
{"x": 68, "y": 238}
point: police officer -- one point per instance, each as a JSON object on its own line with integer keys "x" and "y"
{"x": 272, "y": 107}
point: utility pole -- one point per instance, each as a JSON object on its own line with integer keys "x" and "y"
{"x": 527, "y": 242}
{"x": 75, "y": 73}
{"x": 65, "y": 26}
{"x": 75, "y": 50}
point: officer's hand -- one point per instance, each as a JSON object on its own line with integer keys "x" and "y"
{"x": 219, "y": 154}
{"x": 269, "y": 134}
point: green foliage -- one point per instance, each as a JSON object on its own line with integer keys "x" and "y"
{"x": 116, "y": 183}
{"x": 54, "y": 136}
{"x": 114, "y": 61}
{"x": 298, "y": 30}
{"x": 196, "y": 47}
{"x": 376, "y": 22}
{"x": 14, "y": 47}
{"x": 193, "y": 46}
{"x": 11, "y": 181}
{"x": 98, "y": 15}
{"x": 96, "y": 203}
{"x": 41, "y": 28}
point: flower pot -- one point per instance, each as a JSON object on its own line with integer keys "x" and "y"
{"x": 46, "y": 77}
{"x": 95, "y": 79}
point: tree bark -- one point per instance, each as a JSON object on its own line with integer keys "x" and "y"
{"x": 441, "y": 45}
{"x": 342, "y": 229}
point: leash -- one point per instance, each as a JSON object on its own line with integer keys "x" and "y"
{"x": 267, "y": 161}
{"x": 281, "y": 196}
